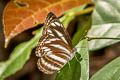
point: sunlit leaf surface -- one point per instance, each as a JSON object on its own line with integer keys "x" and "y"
{"x": 105, "y": 23}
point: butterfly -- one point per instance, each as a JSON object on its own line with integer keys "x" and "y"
{"x": 54, "y": 48}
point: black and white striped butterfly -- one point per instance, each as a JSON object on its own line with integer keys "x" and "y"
{"x": 55, "y": 47}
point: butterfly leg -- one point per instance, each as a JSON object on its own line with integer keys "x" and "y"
{"x": 69, "y": 65}
{"x": 76, "y": 58}
{"x": 78, "y": 49}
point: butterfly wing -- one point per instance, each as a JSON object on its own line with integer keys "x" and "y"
{"x": 54, "y": 25}
{"x": 54, "y": 47}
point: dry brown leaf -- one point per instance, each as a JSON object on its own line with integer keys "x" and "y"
{"x": 20, "y": 15}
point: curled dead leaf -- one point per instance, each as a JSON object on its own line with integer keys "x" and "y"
{"x": 20, "y": 15}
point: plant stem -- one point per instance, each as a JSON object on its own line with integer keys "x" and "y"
{"x": 85, "y": 11}
{"x": 92, "y": 38}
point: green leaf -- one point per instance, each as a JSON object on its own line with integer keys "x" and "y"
{"x": 81, "y": 32}
{"x": 18, "y": 57}
{"x": 78, "y": 70}
{"x": 110, "y": 72}
{"x": 105, "y": 23}
{"x": 69, "y": 15}
{"x": 85, "y": 59}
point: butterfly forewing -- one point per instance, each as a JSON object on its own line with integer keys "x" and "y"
{"x": 54, "y": 48}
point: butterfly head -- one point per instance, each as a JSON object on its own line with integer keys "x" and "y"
{"x": 74, "y": 50}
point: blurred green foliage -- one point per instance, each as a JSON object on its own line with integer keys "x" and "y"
{"x": 18, "y": 57}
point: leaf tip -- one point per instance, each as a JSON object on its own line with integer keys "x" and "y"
{"x": 6, "y": 42}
